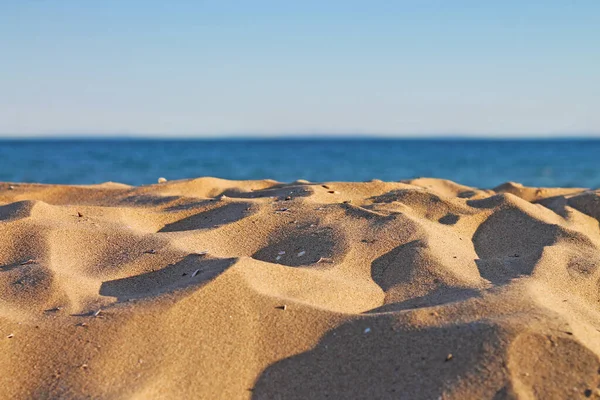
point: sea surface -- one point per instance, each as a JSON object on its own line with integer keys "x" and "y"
{"x": 480, "y": 163}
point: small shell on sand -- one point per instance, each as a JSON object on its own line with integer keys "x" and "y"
{"x": 367, "y": 330}
{"x": 301, "y": 253}
{"x": 325, "y": 260}
{"x": 10, "y": 336}
{"x": 196, "y": 272}
{"x": 97, "y": 313}
{"x": 28, "y": 262}
{"x": 449, "y": 357}
{"x": 277, "y": 258}
{"x": 162, "y": 180}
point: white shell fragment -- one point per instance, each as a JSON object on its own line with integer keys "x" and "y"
{"x": 367, "y": 330}
{"x": 162, "y": 180}
{"x": 281, "y": 253}
{"x": 301, "y": 253}
{"x": 325, "y": 260}
{"x": 196, "y": 272}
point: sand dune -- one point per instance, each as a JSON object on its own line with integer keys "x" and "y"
{"x": 208, "y": 288}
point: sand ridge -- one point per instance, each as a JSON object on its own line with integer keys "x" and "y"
{"x": 209, "y": 288}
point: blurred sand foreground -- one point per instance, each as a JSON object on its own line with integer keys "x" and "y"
{"x": 209, "y": 288}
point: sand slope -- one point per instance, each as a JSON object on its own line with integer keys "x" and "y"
{"x": 209, "y": 288}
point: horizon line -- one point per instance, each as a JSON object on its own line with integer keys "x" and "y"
{"x": 301, "y": 136}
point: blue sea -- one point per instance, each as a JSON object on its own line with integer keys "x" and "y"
{"x": 480, "y": 163}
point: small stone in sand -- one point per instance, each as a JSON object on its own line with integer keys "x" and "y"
{"x": 162, "y": 180}
{"x": 11, "y": 336}
{"x": 301, "y": 253}
{"x": 97, "y": 313}
{"x": 283, "y": 307}
{"x": 28, "y": 262}
{"x": 333, "y": 192}
{"x": 367, "y": 330}
{"x": 281, "y": 253}
{"x": 79, "y": 214}
{"x": 151, "y": 251}
{"x": 449, "y": 357}
{"x": 277, "y": 258}
{"x": 325, "y": 186}
{"x": 11, "y": 187}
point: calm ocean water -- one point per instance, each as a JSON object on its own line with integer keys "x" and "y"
{"x": 482, "y": 163}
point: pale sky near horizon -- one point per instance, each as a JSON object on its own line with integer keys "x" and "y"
{"x": 209, "y": 68}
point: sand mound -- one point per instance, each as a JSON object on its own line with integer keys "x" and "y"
{"x": 209, "y": 288}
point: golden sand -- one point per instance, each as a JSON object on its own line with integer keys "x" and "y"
{"x": 209, "y": 288}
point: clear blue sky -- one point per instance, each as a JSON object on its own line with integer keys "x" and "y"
{"x": 288, "y": 67}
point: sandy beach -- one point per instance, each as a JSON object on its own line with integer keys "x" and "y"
{"x": 217, "y": 289}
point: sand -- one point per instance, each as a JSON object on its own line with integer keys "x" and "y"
{"x": 217, "y": 289}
